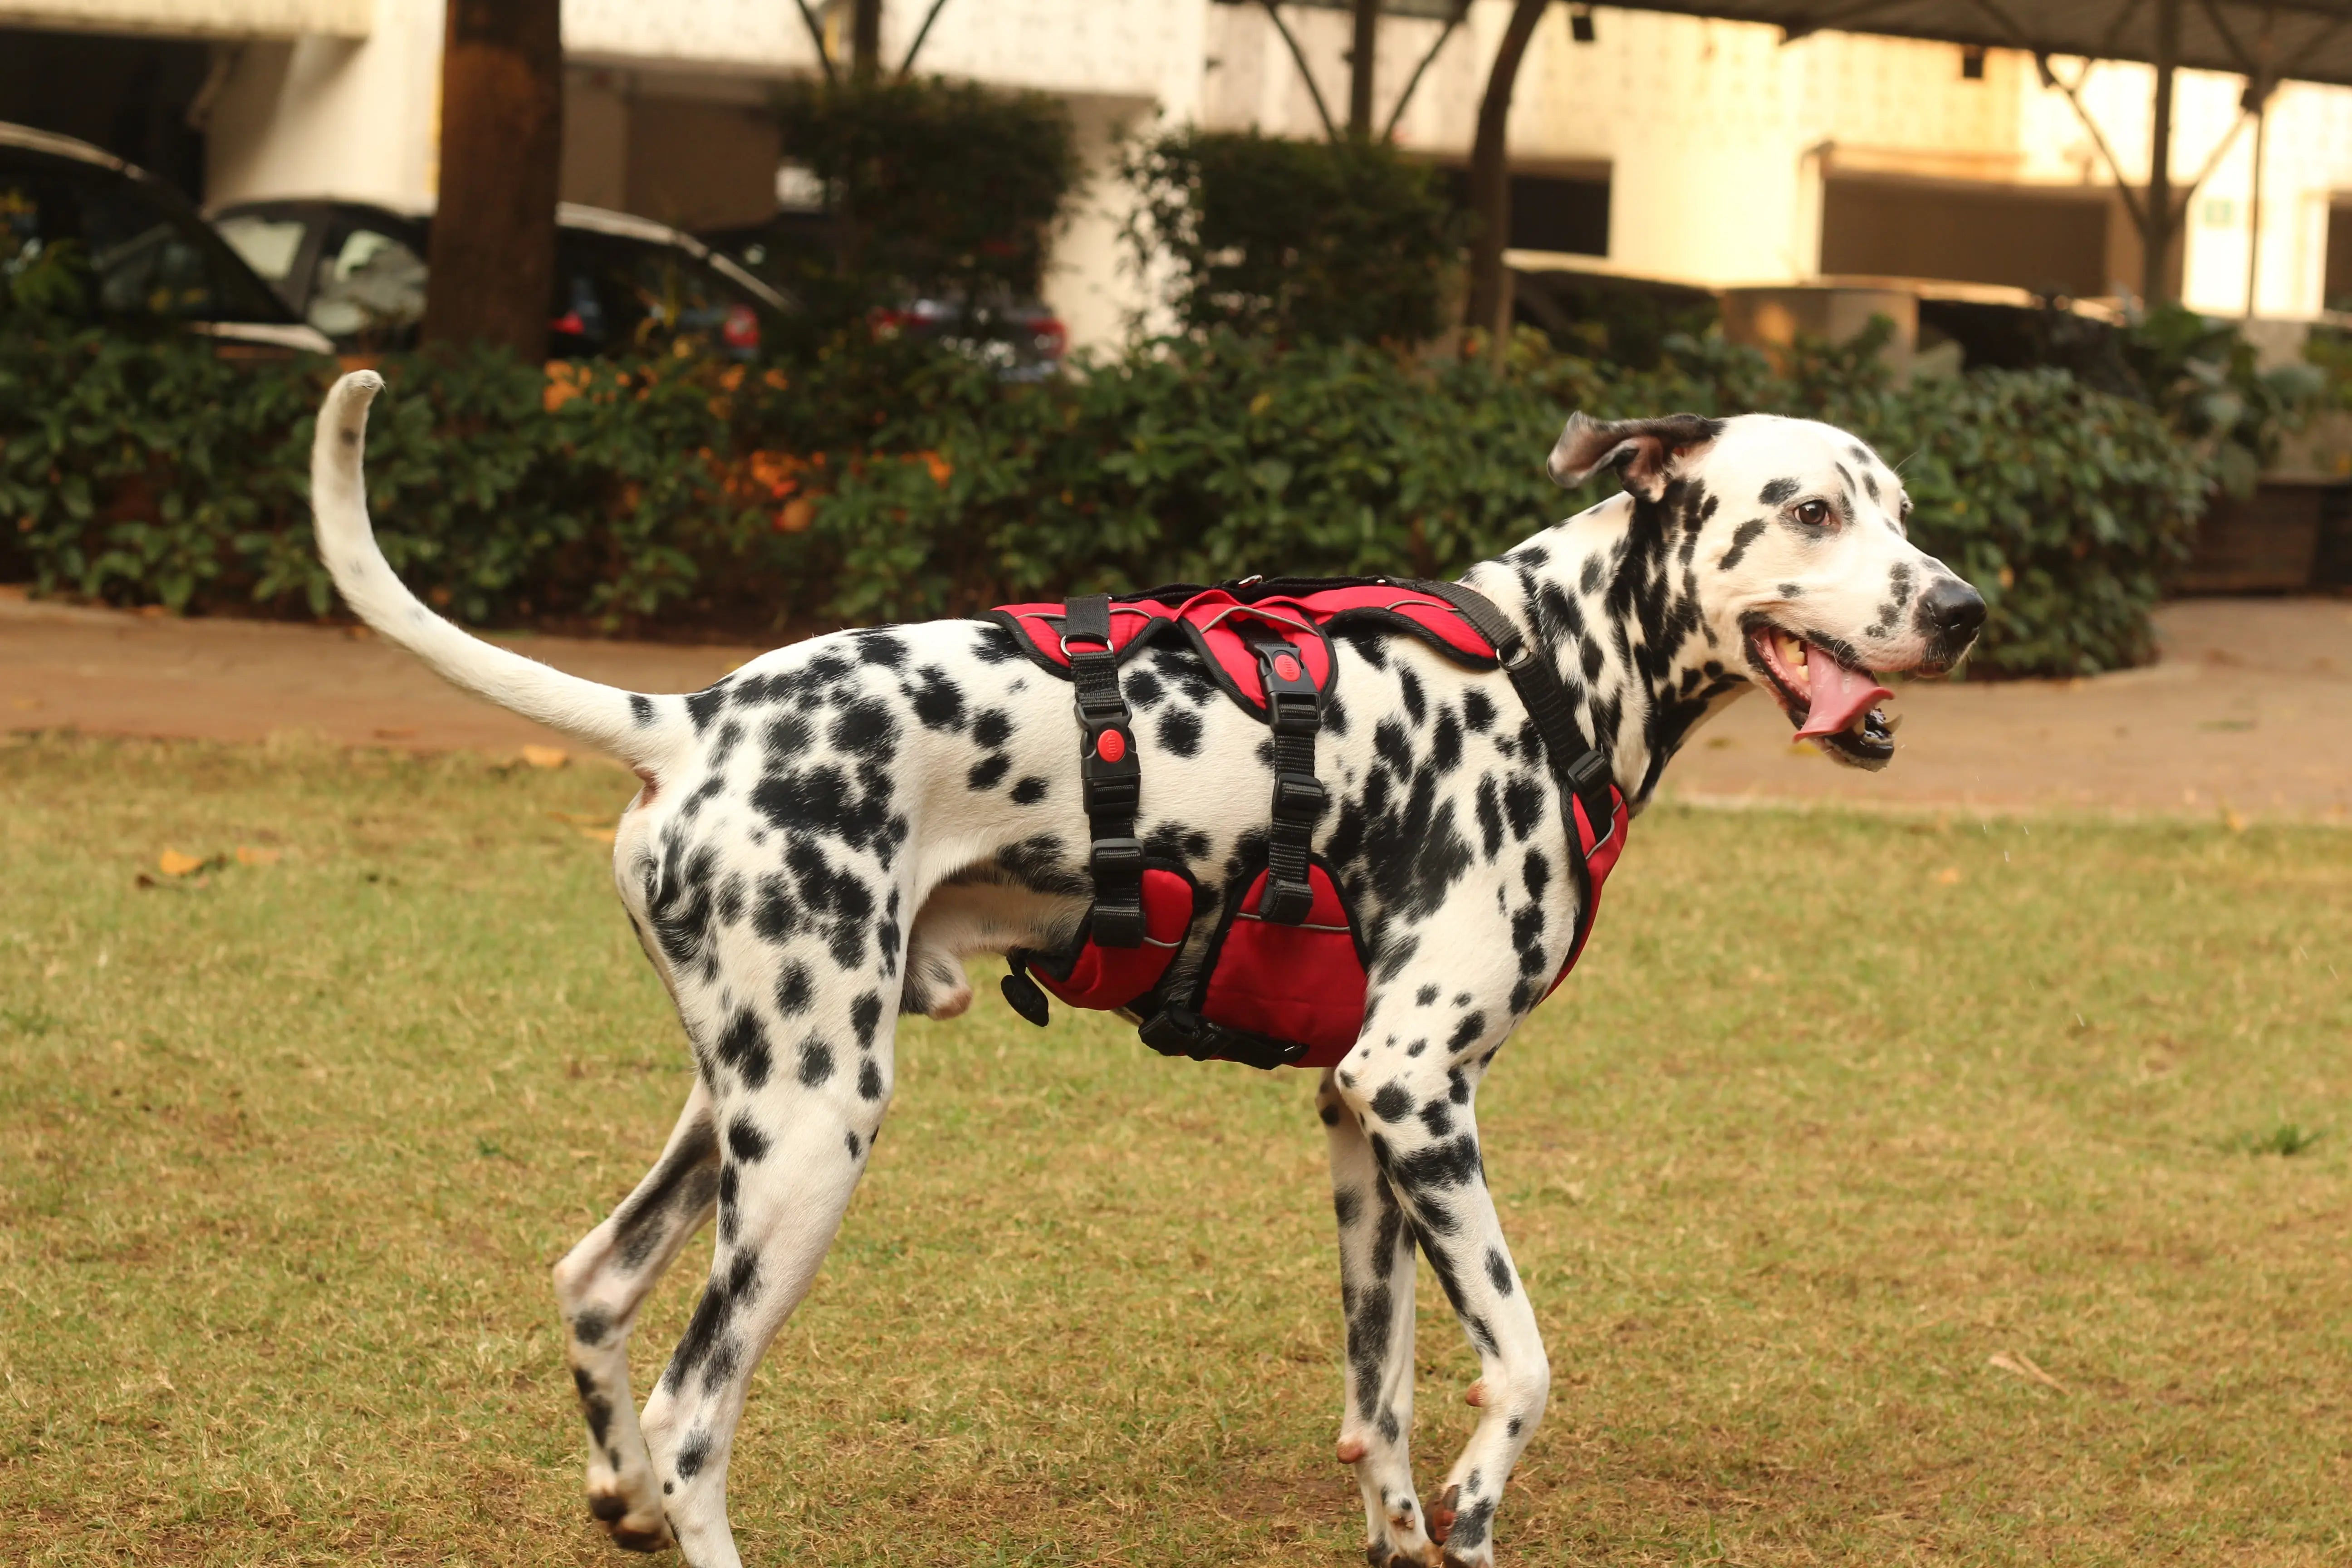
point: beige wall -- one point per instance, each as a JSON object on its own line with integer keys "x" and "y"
{"x": 331, "y": 116}
{"x": 1717, "y": 135}
{"x": 698, "y": 165}
{"x": 1087, "y": 282}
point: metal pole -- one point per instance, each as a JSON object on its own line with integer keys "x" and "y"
{"x": 2157, "y": 235}
{"x": 2254, "y": 204}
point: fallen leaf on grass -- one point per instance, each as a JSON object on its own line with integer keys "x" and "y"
{"x": 172, "y": 863}
{"x": 546, "y": 756}
{"x": 1949, "y": 876}
{"x": 246, "y": 855}
{"x": 601, "y": 834}
{"x": 2022, "y": 1365}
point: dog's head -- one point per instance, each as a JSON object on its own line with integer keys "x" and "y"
{"x": 1791, "y": 539}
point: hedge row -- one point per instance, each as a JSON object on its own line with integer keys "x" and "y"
{"x": 887, "y": 482}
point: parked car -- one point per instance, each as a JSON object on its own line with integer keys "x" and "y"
{"x": 85, "y": 235}
{"x": 356, "y": 271}
{"x": 1022, "y": 338}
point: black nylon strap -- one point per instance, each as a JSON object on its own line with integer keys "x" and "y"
{"x": 1110, "y": 774}
{"x": 1294, "y": 712}
{"x": 1578, "y": 765}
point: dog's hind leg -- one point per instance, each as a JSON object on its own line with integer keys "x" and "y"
{"x": 795, "y": 1124}
{"x": 599, "y": 1286}
{"x": 1376, "y": 1284}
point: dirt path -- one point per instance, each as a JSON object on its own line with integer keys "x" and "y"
{"x": 2249, "y": 709}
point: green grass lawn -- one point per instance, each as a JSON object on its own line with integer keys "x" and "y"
{"x": 1891, "y": 1191}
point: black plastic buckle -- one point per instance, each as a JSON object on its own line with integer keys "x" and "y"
{"x": 1111, "y": 709}
{"x": 1292, "y": 712}
{"x": 1117, "y": 857}
{"x": 1588, "y": 780}
{"x": 1180, "y": 1032}
{"x": 1116, "y": 792}
{"x": 1118, "y": 923}
{"x": 1024, "y": 995}
{"x": 1299, "y": 798}
{"x": 1285, "y": 902}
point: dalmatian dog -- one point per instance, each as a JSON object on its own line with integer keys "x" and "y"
{"x": 823, "y": 837}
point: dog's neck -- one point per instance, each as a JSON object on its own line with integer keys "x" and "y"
{"x": 1610, "y": 598}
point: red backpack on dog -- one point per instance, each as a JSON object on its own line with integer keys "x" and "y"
{"x": 1282, "y": 984}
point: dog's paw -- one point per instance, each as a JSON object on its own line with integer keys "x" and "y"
{"x": 630, "y": 1532}
{"x": 1383, "y": 1555}
{"x": 1440, "y": 1514}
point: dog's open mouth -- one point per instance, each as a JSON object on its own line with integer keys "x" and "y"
{"x": 1829, "y": 699}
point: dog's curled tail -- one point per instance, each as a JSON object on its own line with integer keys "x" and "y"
{"x": 645, "y": 731}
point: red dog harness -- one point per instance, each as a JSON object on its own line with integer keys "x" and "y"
{"x": 1281, "y": 983}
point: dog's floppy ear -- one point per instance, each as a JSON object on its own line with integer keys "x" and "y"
{"x": 1642, "y": 451}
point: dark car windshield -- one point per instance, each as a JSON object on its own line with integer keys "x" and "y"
{"x": 359, "y": 275}
{"x": 85, "y": 241}
{"x": 616, "y": 295}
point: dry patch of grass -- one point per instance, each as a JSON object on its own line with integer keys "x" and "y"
{"x": 1890, "y": 1190}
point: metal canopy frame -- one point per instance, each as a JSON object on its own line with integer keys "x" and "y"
{"x": 2299, "y": 40}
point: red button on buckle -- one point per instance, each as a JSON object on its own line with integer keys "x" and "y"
{"x": 1285, "y": 667}
{"x": 1112, "y": 746}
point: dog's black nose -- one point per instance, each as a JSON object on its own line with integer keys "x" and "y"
{"x": 1951, "y": 611}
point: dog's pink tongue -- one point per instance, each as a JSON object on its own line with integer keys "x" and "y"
{"x": 1840, "y": 693}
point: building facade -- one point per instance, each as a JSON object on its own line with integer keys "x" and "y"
{"x": 1709, "y": 152}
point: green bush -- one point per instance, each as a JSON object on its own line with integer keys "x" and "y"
{"x": 1300, "y": 239}
{"x": 152, "y": 471}
{"x": 891, "y": 481}
{"x": 2068, "y": 509}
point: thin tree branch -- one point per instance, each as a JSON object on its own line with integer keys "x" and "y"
{"x": 1461, "y": 9}
{"x": 929, "y": 16}
{"x": 2050, "y": 77}
{"x": 816, "y": 37}
{"x": 2221, "y": 150}
{"x": 1322, "y": 110}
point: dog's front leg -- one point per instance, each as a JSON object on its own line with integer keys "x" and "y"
{"x": 1376, "y": 1293}
{"x": 1417, "y": 1118}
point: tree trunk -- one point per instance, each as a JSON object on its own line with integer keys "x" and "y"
{"x": 2157, "y": 242}
{"x": 866, "y": 40}
{"x": 1490, "y": 179}
{"x": 1361, "y": 61}
{"x": 493, "y": 245}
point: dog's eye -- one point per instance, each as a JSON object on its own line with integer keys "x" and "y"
{"x": 1814, "y": 514}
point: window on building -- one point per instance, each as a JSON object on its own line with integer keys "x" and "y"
{"x": 1567, "y": 213}
{"x": 2337, "y": 292}
{"x": 2048, "y": 240}
{"x": 128, "y": 95}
